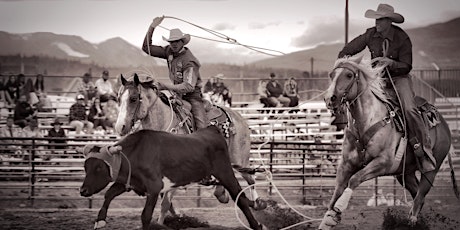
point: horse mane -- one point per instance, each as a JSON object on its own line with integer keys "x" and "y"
{"x": 374, "y": 75}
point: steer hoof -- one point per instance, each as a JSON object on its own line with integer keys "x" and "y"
{"x": 99, "y": 224}
{"x": 221, "y": 195}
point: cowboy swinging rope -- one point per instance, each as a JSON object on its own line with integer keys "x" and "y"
{"x": 268, "y": 174}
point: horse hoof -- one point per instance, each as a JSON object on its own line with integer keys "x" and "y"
{"x": 260, "y": 204}
{"x": 99, "y": 224}
{"x": 412, "y": 221}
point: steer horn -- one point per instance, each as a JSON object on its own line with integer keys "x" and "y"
{"x": 85, "y": 149}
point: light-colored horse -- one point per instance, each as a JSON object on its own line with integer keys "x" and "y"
{"x": 368, "y": 155}
{"x": 139, "y": 101}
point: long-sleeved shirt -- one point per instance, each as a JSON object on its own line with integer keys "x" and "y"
{"x": 274, "y": 89}
{"x": 77, "y": 112}
{"x": 184, "y": 67}
{"x": 399, "y": 48}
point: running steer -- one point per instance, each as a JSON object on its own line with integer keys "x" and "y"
{"x": 150, "y": 162}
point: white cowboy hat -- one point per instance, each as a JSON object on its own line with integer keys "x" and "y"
{"x": 176, "y": 34}
{"x": 384, "y": 11}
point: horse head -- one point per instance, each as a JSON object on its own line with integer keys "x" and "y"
{"x": 135, "y": 98}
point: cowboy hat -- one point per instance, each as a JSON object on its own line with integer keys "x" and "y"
{"x": 176, "y": 34}
{"x": 56, "y": 122}
{"x": 384, "y": 11}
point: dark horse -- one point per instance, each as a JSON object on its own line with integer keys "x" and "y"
{"x": 366, "y": 156}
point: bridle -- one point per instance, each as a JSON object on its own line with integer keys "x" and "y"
{"x": 134, "y": 116}
{"x": 355, "y": 79}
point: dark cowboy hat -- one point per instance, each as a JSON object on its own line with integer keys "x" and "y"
{"x": 56, "y": 122}
{"x": 384, "y": 11}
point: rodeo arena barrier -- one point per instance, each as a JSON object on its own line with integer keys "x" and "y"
{"x": 297, "y": 147}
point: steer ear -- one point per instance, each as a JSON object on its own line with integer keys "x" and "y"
{"x": 115, "y": 149}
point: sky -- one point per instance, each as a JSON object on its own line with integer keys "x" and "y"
{"x": 280, "y": 26}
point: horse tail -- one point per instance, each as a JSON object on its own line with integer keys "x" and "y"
{"x": 452, "y": 174}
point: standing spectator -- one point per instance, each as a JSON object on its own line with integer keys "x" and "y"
{"x": 8, "y": 146}
{"x": 275, "y": 93}
{"x": 291, "y": 91}
{"x": 87, "y": 88}
{"x": 12, "y": 86}
{"x": 39, "y": 84}
{"x": 29, "y": 91}
{"x": 22, "y": 112}
{"x": 96, "y": 114}
{"x": 20, "y": 87}
{"x": 262, "y": 92}
{"x": 111, "y": 113}
{"x": 78, "y": 117}
{"x": 57, "y": 133}
{"x": 104, "y": 87}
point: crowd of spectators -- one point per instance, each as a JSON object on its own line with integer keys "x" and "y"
{"x": 23, "y": 98}
{"x": 273, "y": 94}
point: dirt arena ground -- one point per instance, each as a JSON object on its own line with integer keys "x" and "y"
{"x": 435, "y": 215}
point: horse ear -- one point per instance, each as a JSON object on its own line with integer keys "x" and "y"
{"x": 123, "y": 80}
{"x": 136, "y": 79}
{"x": 358, "y": 59}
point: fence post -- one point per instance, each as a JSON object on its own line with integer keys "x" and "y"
{"x": 32, "y": 172}
{"x": 376, "y": 188}
{"x": 303, "y": 178}
{"x": 271, "y": 165}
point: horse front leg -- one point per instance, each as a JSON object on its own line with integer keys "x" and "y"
{"x": 115, "y": 190}
{"x": 332, "y": 217}
{"x": 166, "y": 204}
{"x": 259, "y": 204}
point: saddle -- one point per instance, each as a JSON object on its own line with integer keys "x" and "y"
{"x": 182, "y": 108}
{"x": 429, "y": 112}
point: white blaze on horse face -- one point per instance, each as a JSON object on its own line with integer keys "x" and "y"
{"x": 124, "y": 100}
{"x": 330, "y": 91}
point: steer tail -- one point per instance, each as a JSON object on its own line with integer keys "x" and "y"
{"x": 452, "y": 174}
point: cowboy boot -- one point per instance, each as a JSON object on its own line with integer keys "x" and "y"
{"x": 424, "y": 156}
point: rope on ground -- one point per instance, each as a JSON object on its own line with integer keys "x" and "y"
{"x": 269, "y": 177}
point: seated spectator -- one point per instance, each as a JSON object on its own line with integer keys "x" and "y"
{"x": 57, "y": 133}
{"x": 275, "y": 93}
{"x": 22, "y": 112}
{"x": 87, "y": 88}
{"x": 44, "y": 103}
{"x": 12, "y": 90}
{"x": 111, "y": 113}
{"x": 3, "y": 91}
{"x": 78, "y": 118}
{"x": 96, "y": 114}
{"x": 32, "y": 131}
{"x": 39, "y": 84}
{"x": 262, "y": 92}
{"x": 219, "y": 88}
{"x": 10, "y": 146}
{"x": 104, "y": 87}
{"x": 291, "y": 92}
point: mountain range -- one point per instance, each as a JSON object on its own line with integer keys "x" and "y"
{"x": 433, "y": 45}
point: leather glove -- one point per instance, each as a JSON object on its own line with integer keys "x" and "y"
{"x": 156, "y": 21}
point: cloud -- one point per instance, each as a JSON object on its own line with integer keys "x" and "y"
{"x": 223, "y": 26}
{"x": 259, "y": 26}
{"x": 326, "y": 31}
